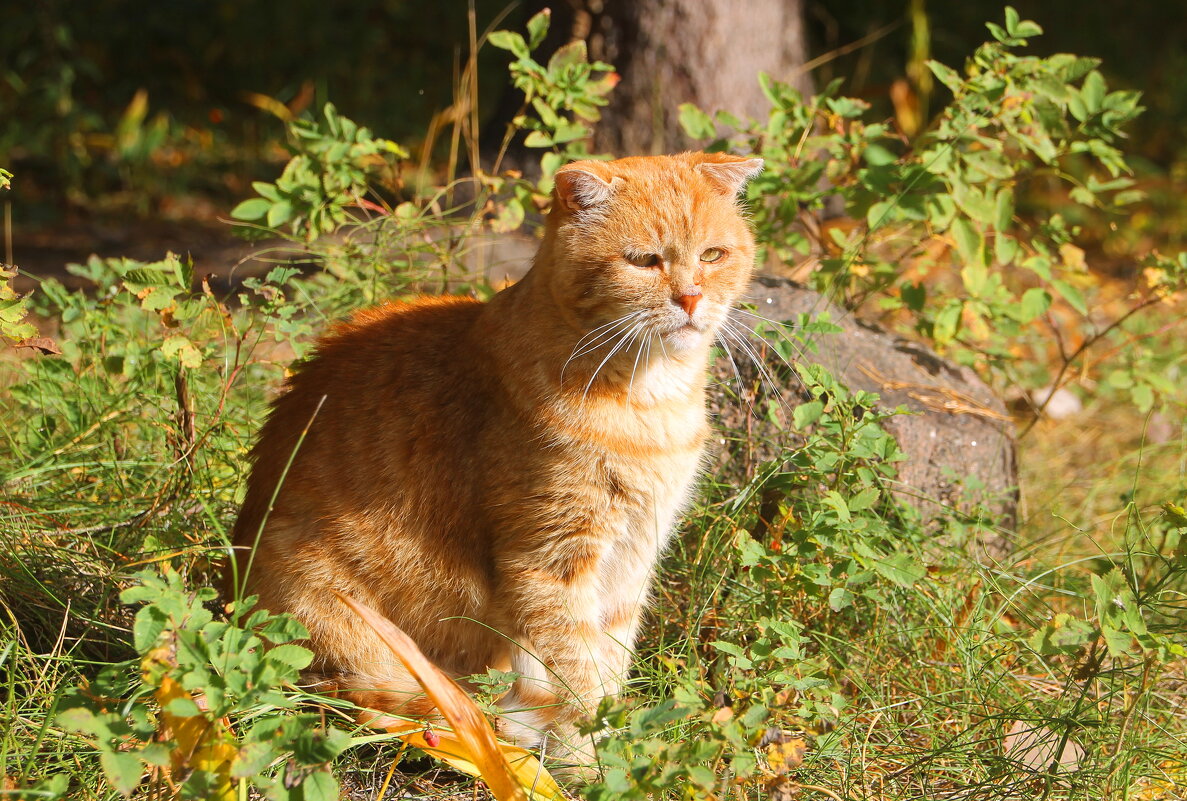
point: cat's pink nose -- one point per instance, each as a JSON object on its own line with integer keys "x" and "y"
{"x": 689, "y": 300}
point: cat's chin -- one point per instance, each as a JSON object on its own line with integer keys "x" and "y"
{"x": 684, "y": 338}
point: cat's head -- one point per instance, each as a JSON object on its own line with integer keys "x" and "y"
{"x": 657, "y": 243}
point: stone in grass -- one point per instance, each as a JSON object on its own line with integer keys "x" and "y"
{"x": 958, "y": 440}
{"x": 1038, "y": 749}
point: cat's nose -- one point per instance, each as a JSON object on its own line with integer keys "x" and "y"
{"x": 689, "y": 299}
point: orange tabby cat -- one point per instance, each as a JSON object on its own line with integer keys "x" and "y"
{"x": 498, "y": 479}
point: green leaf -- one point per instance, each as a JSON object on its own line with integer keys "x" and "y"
{"x": 864, "y": 499}
{"x": 1113, "y": 597}
{"x": 509, "y": 218}
{"x": 1063, "y": 635}
{"x": 319, "y": 786}
{"x": 807, "y": 413}
{"x": 280, "y": 213}
{"x": 968, "y": 242}
{"x": 81, "y": 719}
{"x": 180, "y": 348}
{"x": 1035, "y": 302}
{"x": 509, "y": 40}
{"x": 989, "y": 163}
{"x": 696, "y": 123}
{"x": 703, "y": 776}
{"x": 974, "y": 202}
{"x": 538, "y": 27}
{"x": 1011, "y": 20}
{"x": 833, "y": 499}
{"x": 840, "y": 598}
{"x": 294, "y": 656}
{"x": 266, "y": 190}
{"x": 123, "y": 770}
{"x": 947, "y": 322}
{"x": 900, "y": 568}
{"x": 252, "y": 209}
{"x": 914, "y": 296}
{"x": 1003, "y": 209}
{"x": 568, "y": 55}
{"x": 948, "y": 76}
{"x": 547, "y": 114}
{"x": 183, "y": 707}
{"x": 1028, "y": 28}
{"x": 150, "y": 622}
{"x": 728, "y": 648}
{"x": 1175, "y": 514}
{"x": 538, "y": 139}
{"x": 1093, "y": 92}
{"x": 880, "y": 213}
{"x": 1072, "y": 295}
{"x": 1005, "y": 249}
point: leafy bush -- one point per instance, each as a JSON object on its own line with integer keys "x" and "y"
{"x": 198, "y": 677}
{"x": 935, "y": 237}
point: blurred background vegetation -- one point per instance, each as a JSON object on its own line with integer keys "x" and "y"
{"x": 169, "y": 110}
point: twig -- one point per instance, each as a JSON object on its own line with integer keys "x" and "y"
{"x": 1077, "y": 353}
{"x": 98, "y": 529}
{"x": 820, "y": 789}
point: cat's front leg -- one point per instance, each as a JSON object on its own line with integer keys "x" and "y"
{"x": 554, "y": 609}
{"x": 626, "y": 574}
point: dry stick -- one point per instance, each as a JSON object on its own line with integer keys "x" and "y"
{"x": 820, "y": 789}
{"x": 8, "y": 232}
{"x": 391, "y": 772}
{"x": 865, "y": 745}
{"x": 844, "y": 50}
{"x": 1078, "y": 352}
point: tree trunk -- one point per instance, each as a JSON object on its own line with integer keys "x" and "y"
{"x": 705, "y": 52}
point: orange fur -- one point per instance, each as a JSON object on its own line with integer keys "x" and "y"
{"x": 489, "y": 476}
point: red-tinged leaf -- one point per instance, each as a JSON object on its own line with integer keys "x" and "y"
{"x": 43, "y": 345}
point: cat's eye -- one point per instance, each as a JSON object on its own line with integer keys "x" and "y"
{"x": 643, "y": 259}
{"x": 711, "y": 255}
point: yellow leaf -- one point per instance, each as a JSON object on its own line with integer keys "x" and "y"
{"x": 201, "y": 744}
{"x": 510, "y": 772}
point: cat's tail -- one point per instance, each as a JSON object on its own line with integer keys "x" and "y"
{"x": 383, "y": 702}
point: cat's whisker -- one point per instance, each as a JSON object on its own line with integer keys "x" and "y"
{"x": 747, "y": 332}
{"x": 599, "y": 335}
{"x": 594, "y": 332}
{"x": 617, "y": 347}
{"x": 748, "y": 350}
{"x": 780, "y": 328}
{"x": 600, "y": 340}
{"x": 729, "y": 354}
{"x": 645, "y": 341}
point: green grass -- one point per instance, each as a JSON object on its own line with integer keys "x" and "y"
{"x": 901, "y": 663}
{"x": 905, "y": 692}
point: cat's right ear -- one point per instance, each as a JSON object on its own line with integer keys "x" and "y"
{"x": 578, "y": 189}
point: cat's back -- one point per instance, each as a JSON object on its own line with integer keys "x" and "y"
{"x": 394, "y": 382}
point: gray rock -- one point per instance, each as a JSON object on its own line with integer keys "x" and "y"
{"x": 959, "y": 439}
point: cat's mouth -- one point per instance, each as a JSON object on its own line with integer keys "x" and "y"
{"x": 685, "y": 335}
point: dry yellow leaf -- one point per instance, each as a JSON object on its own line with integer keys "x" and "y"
{"x": 511, "y": 773}
{"x": 202, "y": 744}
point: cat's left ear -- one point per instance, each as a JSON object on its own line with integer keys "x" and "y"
{"x": 729, "y": 173}
{"x": 579, "y": 188}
